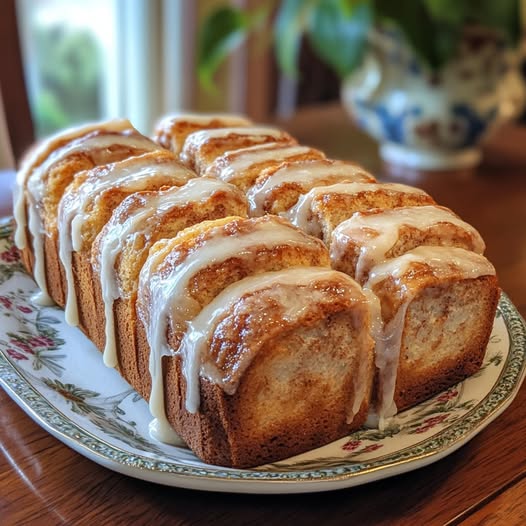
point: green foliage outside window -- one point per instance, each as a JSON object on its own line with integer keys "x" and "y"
{"x": 338, "y": 30}
{"x": 69, "y": 69}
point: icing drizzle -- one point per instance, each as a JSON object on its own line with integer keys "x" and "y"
{"x": 443, "y": 262}
{"x": 239, "y": 161}
{"x": 111, "y": 244}
{"x": 36, "y": 189}
{"x": 169, "y": 297}
{"x": 301, "y": 214}
{"x": 376, "y": 233}
{"x": 306, "y": 174}
{"x": 133, "y": 174}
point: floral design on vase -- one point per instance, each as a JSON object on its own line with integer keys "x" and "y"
{"x": 434, "y": 120}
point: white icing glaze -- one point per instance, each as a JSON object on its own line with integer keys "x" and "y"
{"x": 202, "y": 119}
{"x": 443, "y": 262}
{"x": 246, "y": 158}
{"x": 386, "y": 226}
{"x": 376, "y": 325}
{"x": 305, "y": 173}
{"x": 300, "y": 214}
{"x": 111, "y": 244}
{"x": 161, "y": 430}
{"x": 294, "y": 303}
{"x": 169, "y": 295}
{"x": 132, "y": 175}
{"x": 36, "y": 190}
{"x": 37, "y": 155}
{"x": 201, "y": 328}
{"x": 198, "y": 138}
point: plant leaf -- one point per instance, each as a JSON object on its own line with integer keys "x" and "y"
{"x": 222, "y": 31}
{"x": 434, "y": 43}
{"x": 502, "y": 15}
{"x": 448, "y": 11}
{"x": 338, "y": 33}
{"x": 290, "y": 25}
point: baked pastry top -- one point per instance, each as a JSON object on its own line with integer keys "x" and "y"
{"x": 172, "y": 130}
{"x": 201, "y": 148}
{"x": 371, "y": 237}
{"x": 254, "y": 338}
{"x": 278, "y": 188}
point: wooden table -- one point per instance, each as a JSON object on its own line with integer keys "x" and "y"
{"x": 44, "y": 482}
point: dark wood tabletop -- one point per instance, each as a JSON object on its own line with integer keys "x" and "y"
{"x": 44, "y": 482}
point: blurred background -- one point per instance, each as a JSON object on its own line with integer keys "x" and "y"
{"x": 90, "y": 60}
{"x": 99, "y": 58}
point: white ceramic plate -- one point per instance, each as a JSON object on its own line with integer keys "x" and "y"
{"x": 57, "y": 377}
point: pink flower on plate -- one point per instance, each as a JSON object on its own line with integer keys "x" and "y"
{"x": 429, "y": 423}
{"x": 447, "y": 396}
{"x": 22, "y": 345}
{"x": 16, "y": 355}
{"x": 434, "y": 420}
{"x": 41, "y": 341}
{"x": 352, "y": 445}
{"x": 24, "y": 309}
{"x": 370, "y": 448}
{"x": 10, "y": 256}
{"x": 6, "y": 302}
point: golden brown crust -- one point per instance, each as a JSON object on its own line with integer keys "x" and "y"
{"x": 286, "y": 384}
{"x": 90, "y": 306}
{"x": 440, "y": 234}
{"x": 208, "y": 282}
{"x": 223, "y": 201}
{"x": 284, "y": 196}
{"x": 246, "y": 176}
{"x": 99, "y": 200}
{"x": 54, "y": 169}
{"x": 166, "y": 224}
{"x": 199, "y": 154}
{"x": 333, "y": 208}
{"x": 458, "y": 347}
{"x": 56, "y": 179}
{"x": 172, "y": 131}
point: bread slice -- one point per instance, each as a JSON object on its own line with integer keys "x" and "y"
{"x": 43, "y": 180}
{"x": 278, "y": 188}
{"x": 242, "y": 167}
{"x": 203, "y": 147}
{"x": 371, "y": 237}
{"x": 183, "y": 274}
{"x": 323, "y": 208}
{"x": 436, "y": 309}
{"x": 122, "y": 246}
{"x": 86, "y": 207}
{"x": 270, "y": 353}
{"x": 171, "y": 131}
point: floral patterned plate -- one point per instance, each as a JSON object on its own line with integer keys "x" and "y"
{"x": 57, "y": 377}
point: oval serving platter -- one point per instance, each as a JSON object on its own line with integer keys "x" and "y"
{"x": 91, "y": 409}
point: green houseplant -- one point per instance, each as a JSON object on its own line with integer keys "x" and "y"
{"x": 422, "y": 48}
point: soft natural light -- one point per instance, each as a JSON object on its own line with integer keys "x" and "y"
{"x": 69, "y": 48}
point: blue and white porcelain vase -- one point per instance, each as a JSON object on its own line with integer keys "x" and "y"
{"x": 434, "y": 121}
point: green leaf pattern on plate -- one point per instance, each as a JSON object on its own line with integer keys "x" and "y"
{"x": 44, "y": 365}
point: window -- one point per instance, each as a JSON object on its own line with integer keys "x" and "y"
{"x": 107, "y": 58}
{"x": 66, "y": 46}
{"x": 99, "y": 59}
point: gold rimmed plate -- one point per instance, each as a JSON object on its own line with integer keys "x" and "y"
{"x": 95, "y": 412}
